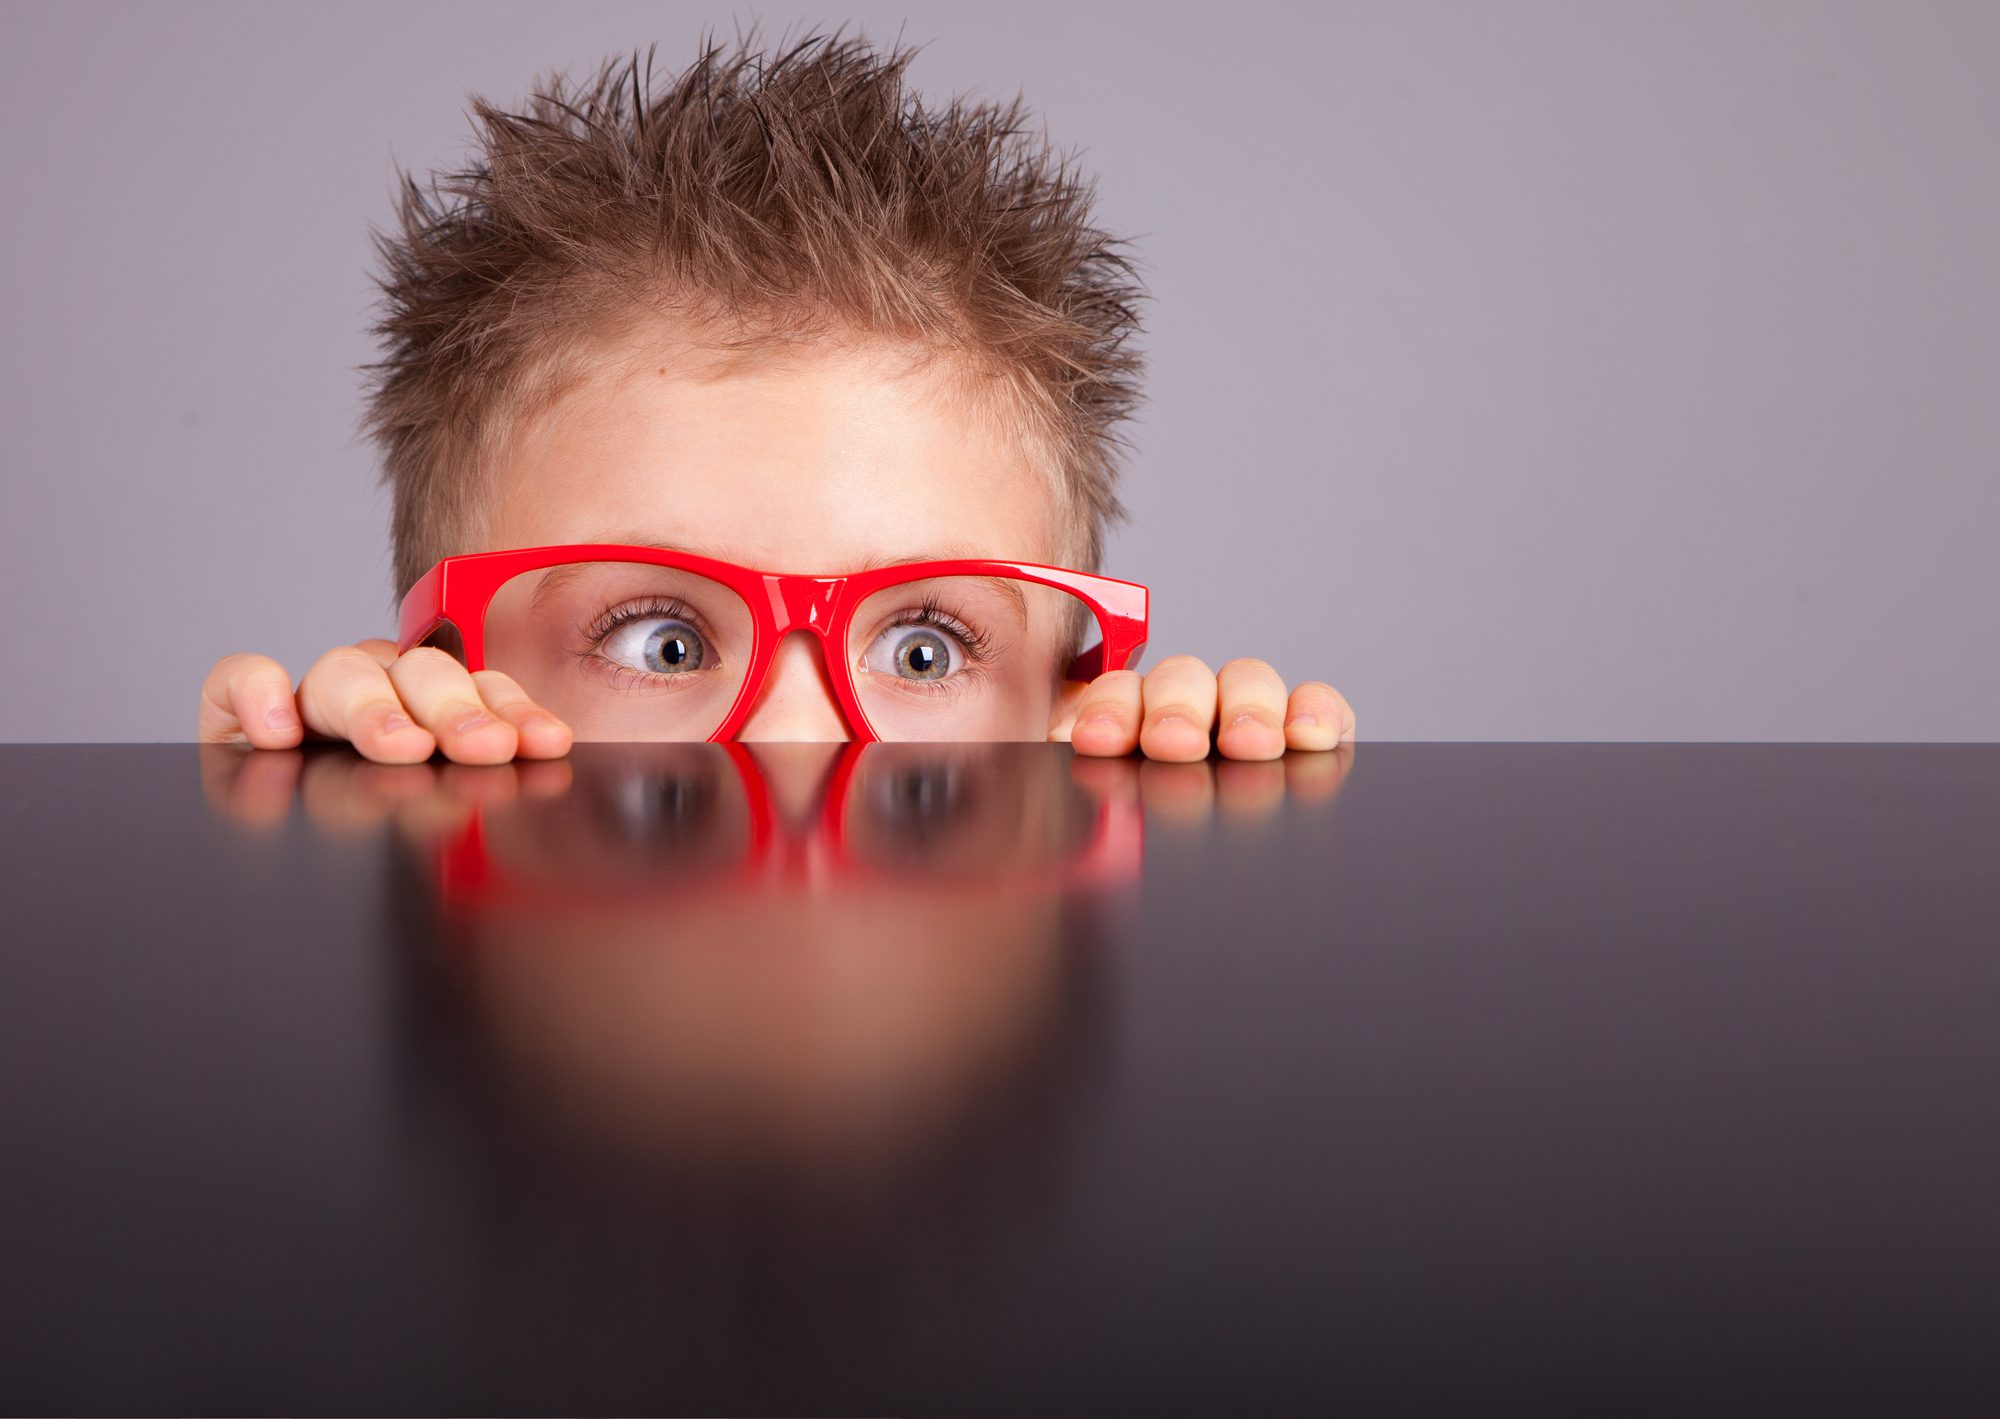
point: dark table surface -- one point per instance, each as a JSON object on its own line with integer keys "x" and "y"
{"x": 1656, "y": 1079}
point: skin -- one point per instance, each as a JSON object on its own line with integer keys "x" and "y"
{"x": 813, "y": 459}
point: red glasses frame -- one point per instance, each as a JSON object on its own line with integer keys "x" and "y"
{"x": 457, "y": 591}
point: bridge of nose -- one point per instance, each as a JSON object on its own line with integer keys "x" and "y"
{"x": 802, "y": 602}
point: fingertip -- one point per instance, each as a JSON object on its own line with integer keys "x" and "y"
{"x": 481, "y": 738}
{"x": 1309, "y": 732}
{"x": 1174, "y": 738}
{"x": 1251, "y": 736}
{"x": 543, "y": 736}
{"x": 269, "y": 718}
{"x": 1104, "y": 736}
{"x": 1320, "y": 718}
{"x": 392, "y": 737}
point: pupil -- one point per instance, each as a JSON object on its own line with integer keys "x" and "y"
{"x": 920, "y": 656}
{"x": 674, "y": 650}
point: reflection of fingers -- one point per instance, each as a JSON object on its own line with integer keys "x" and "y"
{"x": 1249, "y": 792}
{"x": 1107, "y": 716}
{"x": 1250, "y": 717}
{"x": 248, "y": 697}
{"x": 1180, "y": 710}
{"x": 542, "y": 735}
{"x": 254, "y": 790}
{"x": 442, "y": 698}
{"x": 345, "y": 794}
{"x": 431, "y": 815}
{"x": 1107, "y": 780}
{"x": 544, "y": 779}
{"x": 480, "y": 785}
{"x": 1177, "y": 793}
{"x": 1319, "y": 717}
{"x": 1316, "y": 778}
{"x": 348, "y": 695}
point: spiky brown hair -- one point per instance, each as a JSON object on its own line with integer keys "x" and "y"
{"x": 761, "y": 195}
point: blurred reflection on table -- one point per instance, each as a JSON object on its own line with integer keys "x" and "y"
{"x": 713, "y": 1025}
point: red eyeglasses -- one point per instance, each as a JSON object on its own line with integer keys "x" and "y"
{"x": 644, "y": 643}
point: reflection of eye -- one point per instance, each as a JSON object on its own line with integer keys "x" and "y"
{"x": 919, "y": 800}
{"x": 662, "y": 810}
{"x": 657, "y": 645}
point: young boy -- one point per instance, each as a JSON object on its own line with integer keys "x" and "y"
{"x": 772, "y": 314}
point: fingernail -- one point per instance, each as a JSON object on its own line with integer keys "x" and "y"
{"x": 1167, "y": 719}
{"x": 393, "y": 722}
{"x": 1245, "y": 718}
{"x": 466, "y": 724}
{"x": 1110, "y": 719}
{"x": 1303, "y": 719}
{"x": 543, "y": 721}
{"x": 281, "y": 717}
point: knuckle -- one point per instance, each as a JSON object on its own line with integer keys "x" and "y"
{"x": 1250, "y": 677}
{"x": 428, "y": 660}
{"x": 341, "y": 658}
{"x": 497, "y": 687}
{"x": 1182, "y": 665}
{"x": 1322, "y": 696}
{"x": 1113, "y": 687}
{"x": 246, "y": 665}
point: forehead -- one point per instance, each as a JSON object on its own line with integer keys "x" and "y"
{"x": 812, "y": 457}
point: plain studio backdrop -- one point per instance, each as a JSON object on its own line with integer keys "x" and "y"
{"x": 1527, "y": 370}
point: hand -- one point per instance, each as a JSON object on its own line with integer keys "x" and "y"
{"x": 1170, "y": 712}
{"x": 395, "y": 709}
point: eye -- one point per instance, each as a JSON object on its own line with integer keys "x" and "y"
{"x": 658, "y": 645}
{"x": 919, "y": 653}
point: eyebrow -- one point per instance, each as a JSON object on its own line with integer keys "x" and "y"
{"x": 563, "y": 575}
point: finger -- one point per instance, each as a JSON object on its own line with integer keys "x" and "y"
{"x": 347, "y": 695}
{"x": 1062, "y": 715}
{"x": 1319, "y": 717}
{"x": 542, "y": 735}
{"x": 383, "y": 652}
{"x": 248, "y": 697}
{"x": 1180, "y": 710}
{"x": 1250, "y": 712}
{"x": 442, "y": 697}
{"x": 1107, "y": 715}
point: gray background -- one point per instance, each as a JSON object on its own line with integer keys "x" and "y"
{"x": 1528, "y": 370}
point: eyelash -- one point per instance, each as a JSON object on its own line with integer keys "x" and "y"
{"x": 978, "y": 645}
{"x": 648, "y": 609}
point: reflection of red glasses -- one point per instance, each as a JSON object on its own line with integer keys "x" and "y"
{"x": 912, "y": 651}
{"x": 756, "y": 850}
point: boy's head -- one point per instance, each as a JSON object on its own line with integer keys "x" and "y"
{"x": 772, "y": 308}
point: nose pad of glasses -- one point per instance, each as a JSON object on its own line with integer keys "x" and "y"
{"x": 796, "y": 703}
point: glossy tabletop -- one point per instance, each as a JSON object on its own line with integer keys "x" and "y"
{"x": 930, "y": 1079}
